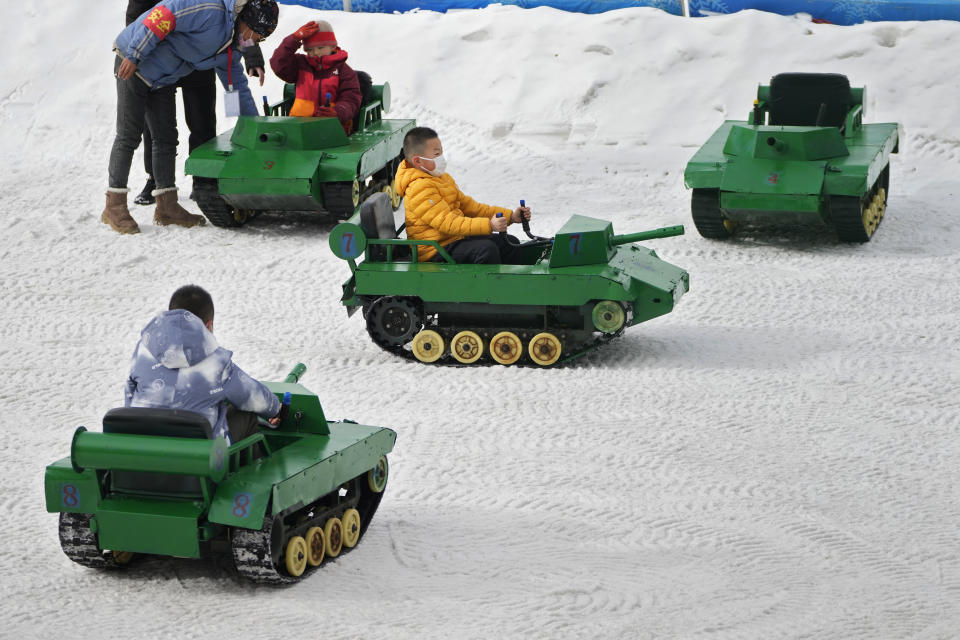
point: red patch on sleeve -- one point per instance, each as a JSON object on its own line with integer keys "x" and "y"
{"x": 160, "y": 21}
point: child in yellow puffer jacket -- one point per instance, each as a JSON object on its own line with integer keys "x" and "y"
{"x": 436, "y": 209}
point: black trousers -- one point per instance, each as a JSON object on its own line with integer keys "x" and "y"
{"x": 139, "y": 108}
{"x": 242, "y": 424}
{"x": 496, "y": 248}
{"x": 199, "y": 93}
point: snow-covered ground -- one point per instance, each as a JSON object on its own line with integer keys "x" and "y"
{"x": 778, "y": 458}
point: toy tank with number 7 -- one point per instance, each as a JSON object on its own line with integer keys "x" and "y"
{"x": 569, "y": 295}
{"x": 156, "y": 482}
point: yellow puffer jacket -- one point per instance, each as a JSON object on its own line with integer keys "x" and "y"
{"x": 436, "y": 209}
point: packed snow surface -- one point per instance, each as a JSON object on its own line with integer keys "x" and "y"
{"x": 777, "y": 458}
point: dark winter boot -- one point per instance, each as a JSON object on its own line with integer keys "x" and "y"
{"x": 116, "y": 213}
{"x": 146, "y": 196}
{"x": 169, "y": 210}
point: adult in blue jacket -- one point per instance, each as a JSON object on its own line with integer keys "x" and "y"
{"x": 177, "y": 364}
{"x": 174, "y": 39}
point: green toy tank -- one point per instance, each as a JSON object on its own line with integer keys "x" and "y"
{"x": 156, "y": 482}
{"x": 571, "y": 294}
{"x": 803, "y": 156}
{"x": 282, "y": 163}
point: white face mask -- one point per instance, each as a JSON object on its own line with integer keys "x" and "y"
{"x": 440, "y": 165}
{"x": 245, "y": 43}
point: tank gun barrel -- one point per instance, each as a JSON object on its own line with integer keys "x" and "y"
{"x": 296, "y": 373}
{"x": 662, "y": 232}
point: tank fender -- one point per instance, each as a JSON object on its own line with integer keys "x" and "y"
{"x": 240, "y": 504}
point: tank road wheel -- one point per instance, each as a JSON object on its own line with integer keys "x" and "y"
{"x": 505, "y": 347}
{"x": 215, "y": 208}
{"x": 466, "y": 347}
{"x": 341, "y": 198}
{"x": 351, "y": 528}
{"x": 333, "y": 532}
{"x": 316, "y": 546}
{"x": 856, "y": 219}
{"x": 608, "y": 316}
{"x": 395, "y": 197}
{"x": 377, "y": 477}
{"x": 707, "y": 217}
{"x": 295, "y": 557}
{"x": 123, "y": 557}
{"x": 393, "y": 321}
{"x": 544, "y": 349}
{"x": 428, "y": 346}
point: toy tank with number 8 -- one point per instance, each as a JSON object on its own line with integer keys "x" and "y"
{"x": 156, "y": 482}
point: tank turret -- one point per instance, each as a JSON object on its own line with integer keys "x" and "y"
{"x": 584, "y": 240}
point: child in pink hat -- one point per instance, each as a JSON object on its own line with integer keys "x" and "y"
{"x": 326, "y": 85}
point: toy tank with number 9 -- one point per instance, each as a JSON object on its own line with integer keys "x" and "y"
{"x": 156, "y": 482}
{"x": 571, "y": 293}
{"x": 281, "y": 163}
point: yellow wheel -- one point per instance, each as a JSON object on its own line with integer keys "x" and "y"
{"x": 377, "y": 477}
{"x": 505, "y": 347}
{"x": 466, "y": 347}
{"x": 351, "y": 527}
{"x": 355, "y": 193}
{"x": 608, "y": 316}
{"x": 333, "y": 533}
{"x": 122, "y": 557}
{"x": 428, "y": 346}
{"x": 544, "y": 349}
{"x": 316, "y": 546}
{"x": 295, "y": 557}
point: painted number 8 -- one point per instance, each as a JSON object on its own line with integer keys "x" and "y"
{"x": 241, "y": 502}
{"x": 70, "y": 497}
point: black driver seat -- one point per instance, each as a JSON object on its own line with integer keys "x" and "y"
{"x": 173, "y": 423}
{"x": 795, "y": 99}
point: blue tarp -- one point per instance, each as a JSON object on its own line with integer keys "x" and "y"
{"x": 835, "y": 11}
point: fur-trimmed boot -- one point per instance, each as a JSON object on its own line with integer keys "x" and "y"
{"x": 116, "y": 213}
{"x": 169, "y": 210}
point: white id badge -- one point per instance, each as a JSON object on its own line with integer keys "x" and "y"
{"x": 231, "y": 103}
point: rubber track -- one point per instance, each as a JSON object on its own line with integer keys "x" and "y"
{"x": 79, "y": 543}
{"x": 485, "y": 360}
{"x": 705, "y": 208}
{"x": 218, "y": 212}
{"x": 251, "y": 549}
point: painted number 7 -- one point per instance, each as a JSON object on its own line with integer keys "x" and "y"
{"x": 575, "y": 243}
{"x": 346, "y": 243}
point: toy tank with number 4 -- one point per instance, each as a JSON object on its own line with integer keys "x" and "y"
{"x": 278, "y": 162}
{"x": 804, "y": 156}
{"x": 571, "y": 293}
{"x": 280, "y": 501}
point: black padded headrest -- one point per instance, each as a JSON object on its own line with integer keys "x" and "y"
{"x": 174, "y": 423}
{"x": 376, "y": 217}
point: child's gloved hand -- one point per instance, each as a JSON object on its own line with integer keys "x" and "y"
{"x": 306, "y": 31}
{"x": 326, "y": 112}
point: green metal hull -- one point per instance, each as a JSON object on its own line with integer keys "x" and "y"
{"x": 571, "y": 293}
{"x": 804, "y": 156}
{"x": 280, "y": 163}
